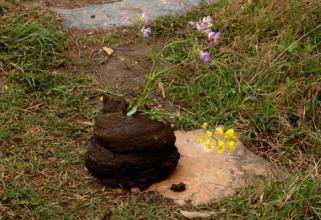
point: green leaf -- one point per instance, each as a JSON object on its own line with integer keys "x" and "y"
{"x": 293, "y": 47}
{"x": 310, "y": 48}
{"x": 132, "y": 111}
{"x": 141, "y": 101}
{"x": 154, "y": 114}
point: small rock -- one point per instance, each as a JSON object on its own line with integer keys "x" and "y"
{"x": 178, "y": 187}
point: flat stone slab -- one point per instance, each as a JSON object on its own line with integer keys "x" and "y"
{"x": 210, "y": 176}
{"x": 109, "y": 15}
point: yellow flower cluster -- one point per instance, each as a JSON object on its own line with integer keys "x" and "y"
{"x": 228, "y": 137}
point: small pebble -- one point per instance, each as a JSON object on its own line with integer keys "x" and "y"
{"x": 178, "y": 187}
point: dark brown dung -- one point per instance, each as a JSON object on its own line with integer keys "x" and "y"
{"x": 130, "y": 151}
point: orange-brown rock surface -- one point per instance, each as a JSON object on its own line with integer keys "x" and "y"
{"x": 210, "y": 176}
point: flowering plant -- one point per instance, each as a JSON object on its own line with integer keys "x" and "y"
{"x": 226, "y": 138}
{"x": 141, "y": 23}
{"x": 205, "y": 26}
{"x": 221, "y": 139}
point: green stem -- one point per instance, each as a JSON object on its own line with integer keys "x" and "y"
{"x": 152, "y": 75}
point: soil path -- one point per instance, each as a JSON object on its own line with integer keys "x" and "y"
{"x": 123, "y": 71}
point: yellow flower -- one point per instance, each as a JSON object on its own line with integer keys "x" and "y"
{"x": 209, "y": 133}
{"x": 219, "y": 131}
{"x": 231, "y": 146}
{"x": 210, "y": 147}
{"x": 220, "y": 150}
{"x": 230, "y": 135}
{"x": 205, "y": 125}
{"x": 208, "y": 143}
{"x": 220, "y": 146}
{"x": 230, "y": 132}
{"x": 101, "y": 98}
{"x": 220, "y": 143}
{"x": 201, "y": 139}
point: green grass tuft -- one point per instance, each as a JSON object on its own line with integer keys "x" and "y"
{"x": 296, "y": 198}
{"x": 28, "y": 46}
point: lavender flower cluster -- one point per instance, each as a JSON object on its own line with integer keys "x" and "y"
{"x": 146, "y": 31}
{"x": 205, "y": 25}
{"x": 142, "y": 22}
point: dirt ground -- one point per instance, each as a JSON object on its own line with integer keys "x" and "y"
{"x": 74, "y": 3}
{"x": 124, "y": 72}
{"x": 127, "y": 67}
{"x": 124, "y": 69}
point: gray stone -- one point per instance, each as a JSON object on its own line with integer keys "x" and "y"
{"x": 109, "y": 15}
{"x": 210, "y": 176}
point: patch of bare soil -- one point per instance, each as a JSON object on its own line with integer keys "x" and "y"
{"x": 125, "y": 69}
{"x": 74, "y": 3}
{"x": 121, "y": 73}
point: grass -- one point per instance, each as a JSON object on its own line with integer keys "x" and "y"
{"x": 44, "y": 126}
{"x": 265, "y": 80}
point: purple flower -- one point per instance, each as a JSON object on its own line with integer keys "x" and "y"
{"x": 200, "y": 26}
{"x": 211, "y": 35}
{"x": 208, "y": 21}
{"x": 192, "y": 23}
{"x": 146, "y": 31}
{"x": 205, "y": 57}
{"x": 125, "y": 17}
{"x": 216, "y": 37}
{"x": 147, "y": 18}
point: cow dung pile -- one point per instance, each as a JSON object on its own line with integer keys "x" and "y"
{"x": 130, "y": 151}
